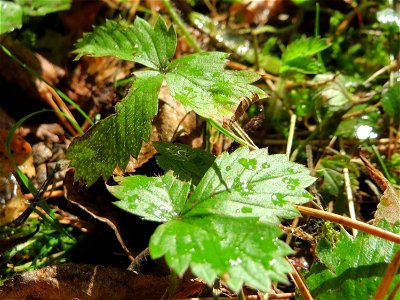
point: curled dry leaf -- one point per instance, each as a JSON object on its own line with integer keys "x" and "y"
{"x": 389, "y": 204}
{"x": 131, "y": 232}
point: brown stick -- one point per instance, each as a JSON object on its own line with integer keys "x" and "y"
{"x": 299, "y": 282}
{"x": 389, "y": 275}
{"x": 387, "y": 235}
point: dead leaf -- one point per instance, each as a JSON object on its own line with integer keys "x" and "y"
{"x": 132, "y": 232}
{"x": 78, "y": 281}
{"x": 389, "y": 204}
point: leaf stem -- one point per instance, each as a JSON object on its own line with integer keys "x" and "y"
{"x": 178, "y": 20}
{"x": 387, "y": 235}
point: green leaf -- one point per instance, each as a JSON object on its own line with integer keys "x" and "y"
{"x": 154, "y": 198}
{"x": 228, "y": 225}
{"x": 43, "y": 7}
{"x": 297, "y": 55}
{"x": 12, "y": 13}
{"x": 391, "y": 102}
{"x": 152, "y": 47}
{"x": 200, "y": 82}
{"x": 113, "y": 140}
{"x": 187, "y": 163}
{"x": 11, "y": 16}
{"x": 354, "y": 268}
{"x": 243, "y": 252}
{"x": 245, "y": 183}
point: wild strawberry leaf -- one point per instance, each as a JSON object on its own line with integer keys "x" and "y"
{"x": 157, "y": 199}
{"x": 354, "y": 268}
{"x": 111, "y": 141}
{"x": 152, "y": 47}
{"x": 186, "y": 162}
{"x": 200, "y": 82}
{"x": 228, "y": 225}
{"x": 251, "y": 183}
{"x": 242, "y": 252}
{"x": 297, "y": 56}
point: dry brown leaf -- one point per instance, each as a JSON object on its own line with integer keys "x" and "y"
{"x": 389, "y": 204}
{"x": 131, "y": 232}
{"x": 78, "y": 281}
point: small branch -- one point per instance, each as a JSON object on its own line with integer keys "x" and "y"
{"x": 299, "y": 282}
{"x": 391, "y": 271}
{"x": 387, "y": 235}
{"x": 291, "y": 134}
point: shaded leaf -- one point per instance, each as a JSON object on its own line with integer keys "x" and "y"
{"x": 113, "y": 140}
{"x": 187, "y": 163}
{"x": 152, "y": 47}
{"x": 297, "y": 55}
{"x": 353, "y": 269}
{"x": 201, "y": 84}
{"x": 391, "y": 102}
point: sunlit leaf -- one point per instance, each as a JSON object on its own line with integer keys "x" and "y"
{"x": 201, "y": 84}
{"x": 152, "y": 47}
{"x": 213, "y": 246}
{"x": 253, "y": 183}
{"x": 11, "y": 16}
{"x": 154, "y": 198}
{"x": 228, "y": 225}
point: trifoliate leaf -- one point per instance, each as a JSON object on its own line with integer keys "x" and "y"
{"x": 217, "y": 230}
{"x": 391, "y": 102}
{"x": 201, "y": 84}
{"x": 245, "y": 183}
{"x": 187, "y": 163}
{"x": 152, "y": 47}
{"x": 154, "y": 198}
{"x": 297, "y": 55}
{"x": 354, "y": 268}
{"x": 242, "y": 252}
{"x": 114, "y": 139}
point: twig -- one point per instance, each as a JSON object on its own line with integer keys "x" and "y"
{"x": 388, "y": 277}
{"x": 350, "y": 199}
{"x": 387, "y": 235}
{"x": 291, "y": 134}
{"x": 299, "y": 282}
{"x": 46, "y": 195}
